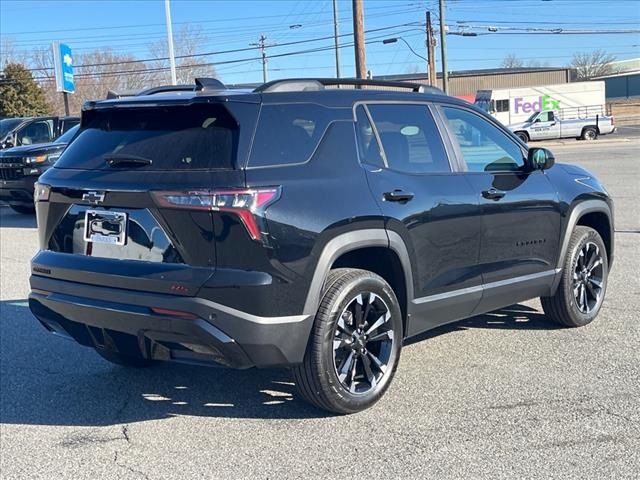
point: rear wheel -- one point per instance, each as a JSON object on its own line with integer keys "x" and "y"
{"x": 589, "y": 133}
{"x": 355, "y": 343}
{"x": 124, "y": 360}
{"x": 23, "y": 209}
{"x": 580, "y": 293}
{"x": 523, "y": 136}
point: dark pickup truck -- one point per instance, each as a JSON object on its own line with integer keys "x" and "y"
{"x": 20, "y": 167}
{"x": 15, "y": 132}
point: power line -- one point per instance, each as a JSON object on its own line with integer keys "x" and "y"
{"x": 236, "y": 50}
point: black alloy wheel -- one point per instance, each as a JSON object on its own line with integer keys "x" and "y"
{"x": 354, "y": 346}
{"x": 363, "y": 343}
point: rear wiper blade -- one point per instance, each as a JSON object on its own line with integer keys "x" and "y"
{"x": 117, "y": 159}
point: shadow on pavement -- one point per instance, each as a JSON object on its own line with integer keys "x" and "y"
{"x": 11, "y": 219}
{"x": 513, "y": 317}
{"x": 47, "y": 380}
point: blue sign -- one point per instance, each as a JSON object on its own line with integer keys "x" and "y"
{"x": 63, "y": 68}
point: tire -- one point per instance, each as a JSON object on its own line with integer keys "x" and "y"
{"x": 23, "y": 209}
{"x": 589, "y": 133}
{"x": 124, "y": 360}
{"x": 567, "y": 306}
{"x": 523, "y": 136}
{"x": 321, "y": 378}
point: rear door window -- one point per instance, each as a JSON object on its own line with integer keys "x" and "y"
{"x": 288, "y": 134}
{"x": 174, "y": 138}
{"x": 410, "y": 139}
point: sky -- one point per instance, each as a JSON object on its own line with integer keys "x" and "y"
{"x": 129, "y": 26}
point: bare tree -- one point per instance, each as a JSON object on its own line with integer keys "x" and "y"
{"x": 188, "y": 41}
{"x": 10, "y": 53}
{"x": 95, "y": 73}
{"x": 512, "y": 61}
{"x": 594, "y": 64}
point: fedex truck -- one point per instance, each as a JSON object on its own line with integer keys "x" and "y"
{"x": 515, "y": 105}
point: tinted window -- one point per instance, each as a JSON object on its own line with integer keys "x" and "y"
{"x": 288, "y": 133}
{"x": 502, "y": 105}
{"x": 68, "y": 135}
{"x": 367, "y": 143}
{"x": 69, "y": 123}
{"x": 174, "y": 138}
{"x": 410, "y": 139}
{"x": 484, "y": 147}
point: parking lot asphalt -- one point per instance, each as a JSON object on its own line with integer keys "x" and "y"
{"x": 503, "y": 395}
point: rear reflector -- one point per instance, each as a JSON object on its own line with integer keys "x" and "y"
{"x": 249, "y": 204}
{"x": 173, "y": 313}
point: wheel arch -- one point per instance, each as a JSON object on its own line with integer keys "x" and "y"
{"x": 591, "y": 213}
{"x": 380, "y": 251}
{"x": 595, "y": 127}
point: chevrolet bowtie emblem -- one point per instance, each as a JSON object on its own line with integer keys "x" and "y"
{"x": 93, "y": 197}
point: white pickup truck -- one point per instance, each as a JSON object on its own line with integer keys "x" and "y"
{"x": 549, "y": 124}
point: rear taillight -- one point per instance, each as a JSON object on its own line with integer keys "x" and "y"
{"x": 41, "y": 192}
{"x": 248, "y": 204}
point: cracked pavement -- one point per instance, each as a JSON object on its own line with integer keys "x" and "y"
{"x": 503, "y": 395}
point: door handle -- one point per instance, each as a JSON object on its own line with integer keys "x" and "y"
{"x": 397, "y": 196}
{"x": 493, "y": 194}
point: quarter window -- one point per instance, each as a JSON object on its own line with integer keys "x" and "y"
{"x": 287, "y": 134}
{"x": 367, "y": 143}
{"x": 484, "y": 147}
{"x": 410, "y": 138}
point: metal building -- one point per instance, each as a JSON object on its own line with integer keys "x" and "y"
{"x": 466, "y": 83}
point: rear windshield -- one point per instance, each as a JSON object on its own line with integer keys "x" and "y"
{"x": 173, "y": 138}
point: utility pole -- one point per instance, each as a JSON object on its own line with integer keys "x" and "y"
{"x": 431, "y": 53}
{"x": 172, "y": 57}
{"x": 358, "y": 39}
{"x": 443, "y": 49}
{"x": 262, "y": 43}
{"x": 336, "y": 37}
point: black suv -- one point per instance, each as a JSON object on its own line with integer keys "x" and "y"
{"x": 20, "y": 167}
{"x": 306, "y": 226}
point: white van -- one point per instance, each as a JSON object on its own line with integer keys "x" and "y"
{"x": 515, "y": 105}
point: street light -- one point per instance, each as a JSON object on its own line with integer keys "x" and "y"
{"x": 395, "y": 39}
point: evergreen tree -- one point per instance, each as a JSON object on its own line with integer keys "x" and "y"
{"x": 20, "y": 95}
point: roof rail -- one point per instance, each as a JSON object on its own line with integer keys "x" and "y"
{"x": 201, "y": 84}
{"x": 166, "y": 88}
{"x": 301, "y": 84}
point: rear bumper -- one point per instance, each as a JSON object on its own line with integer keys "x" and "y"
{"x": 122, "y": 320}
{"x": 17, "y": 192}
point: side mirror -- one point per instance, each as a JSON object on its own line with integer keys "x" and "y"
{"x": 540, "y": 159}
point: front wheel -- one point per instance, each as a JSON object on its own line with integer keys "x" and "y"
{"x": 354, "y": 347}
{"x": 582, "y": 286}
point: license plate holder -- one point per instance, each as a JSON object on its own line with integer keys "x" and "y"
{"x": 104, "y": 226}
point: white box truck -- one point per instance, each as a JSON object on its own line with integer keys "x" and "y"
{"x": 515, "y": 105}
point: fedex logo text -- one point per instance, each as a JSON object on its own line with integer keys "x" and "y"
{"x": 542, "y": 103}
